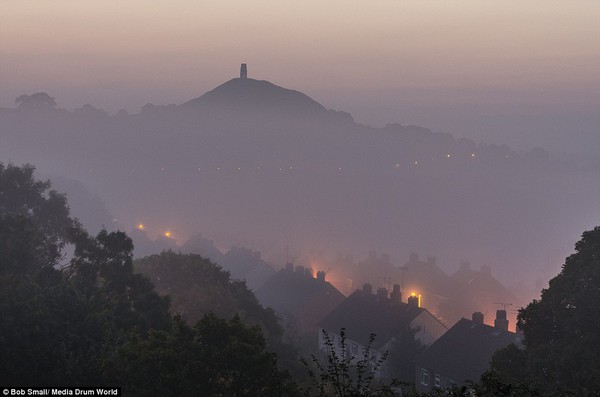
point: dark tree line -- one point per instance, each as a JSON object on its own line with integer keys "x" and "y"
{"x": 74, "y": 312}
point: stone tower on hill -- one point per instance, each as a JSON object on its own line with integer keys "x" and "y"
{"x": 244, "y": 71}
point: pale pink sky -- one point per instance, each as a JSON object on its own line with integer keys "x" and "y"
{"x": 516, "y": 72}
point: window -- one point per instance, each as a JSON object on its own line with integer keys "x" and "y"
{"x": 424, "y": 377}
{"x": 437, "y": 381}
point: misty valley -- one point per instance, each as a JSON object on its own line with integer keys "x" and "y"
{"x": 252, "y": 242}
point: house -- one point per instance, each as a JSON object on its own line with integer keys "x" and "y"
{"x": 477, "y": 290}
{"x": 463, "y": 353}
{"x": 364, "y": 313}
{"x": 296, "y": 295}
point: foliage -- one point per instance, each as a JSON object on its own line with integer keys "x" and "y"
{"x": 403, "y": 350}
{"x": 345, "y": 375}
{"x": 214, "y": 358}
{"x": 197, "y": 286}
{"x": 95, "y": 322}
{"x": 562, "y": 329}
{"x": 35, "y": 102}
{"x": 38, "y": 213}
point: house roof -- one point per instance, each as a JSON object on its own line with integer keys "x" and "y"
{"x": 363, "y": 314}
{"x": 306, "y": 298}
{"x": 481, "y": 286}
{"x": 465, "y": 351}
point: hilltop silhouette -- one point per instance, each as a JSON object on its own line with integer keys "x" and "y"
{"x": 256, "y": 95}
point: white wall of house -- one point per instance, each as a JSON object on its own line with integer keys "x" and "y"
{"x": 429, "y": 328}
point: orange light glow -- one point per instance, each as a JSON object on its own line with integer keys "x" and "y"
{"x": 140, "y": 226}
{"x": 167, "y": 234}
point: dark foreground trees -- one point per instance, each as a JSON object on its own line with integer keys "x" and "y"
{"x": 562, "y": 330}
{"x": 85, "y": 319}
{"x": 214, "y": 358}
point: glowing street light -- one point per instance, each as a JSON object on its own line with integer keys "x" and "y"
{"x": 140, "y": 226}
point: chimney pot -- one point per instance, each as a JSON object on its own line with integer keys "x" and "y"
{"x": 396, "y": 295}
{"x": 501, "y": 322}
{"x": 413, "y": 301}
{"x": 321, "y": 275}
{"x": 478, "y": 317}
{"x": 382, "y": 293}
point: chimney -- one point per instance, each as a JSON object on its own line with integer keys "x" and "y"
{"x": 367, "y": 288}
{"x": 501, "y": 322}
{"x": 321, "y": 275}
{"x": 396, "y": 295}
{"x": 478, "y": 318}
{"x": 413, "y": 301}
{"x": 244, "y": 71}
{"x": 382, "y": 293}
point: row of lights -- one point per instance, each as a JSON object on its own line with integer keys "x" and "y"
{"x": 282, "y": 169}
{"x": 166, "y": 233}
{"x": 397, "y": 165}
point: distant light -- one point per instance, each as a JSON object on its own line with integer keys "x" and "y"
{"x": 239, "y": 168}
{"x": 167, "y": 234}
{"x": 340, "y": 168}
{"x": 472, "y": 154}
{"x": 218, "y": 168}
{"x": 506, "y": 156}
{"x": 397, "y": 165}
{"x": 140, "y": 226}
{"x": 448, "y": 156}
{"x": 416, "y": 163}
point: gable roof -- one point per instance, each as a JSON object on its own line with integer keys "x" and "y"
{"x": 306, "y": 298}
{"x": 363, "y": 314}
{"x": 465, "y": 351}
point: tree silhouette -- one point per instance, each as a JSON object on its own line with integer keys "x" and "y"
{"x": 562, "y": 329}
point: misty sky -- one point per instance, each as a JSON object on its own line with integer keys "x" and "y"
{"x": 520, "y": 73}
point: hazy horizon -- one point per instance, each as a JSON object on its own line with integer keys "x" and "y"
{"x": 508, "y": 73}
